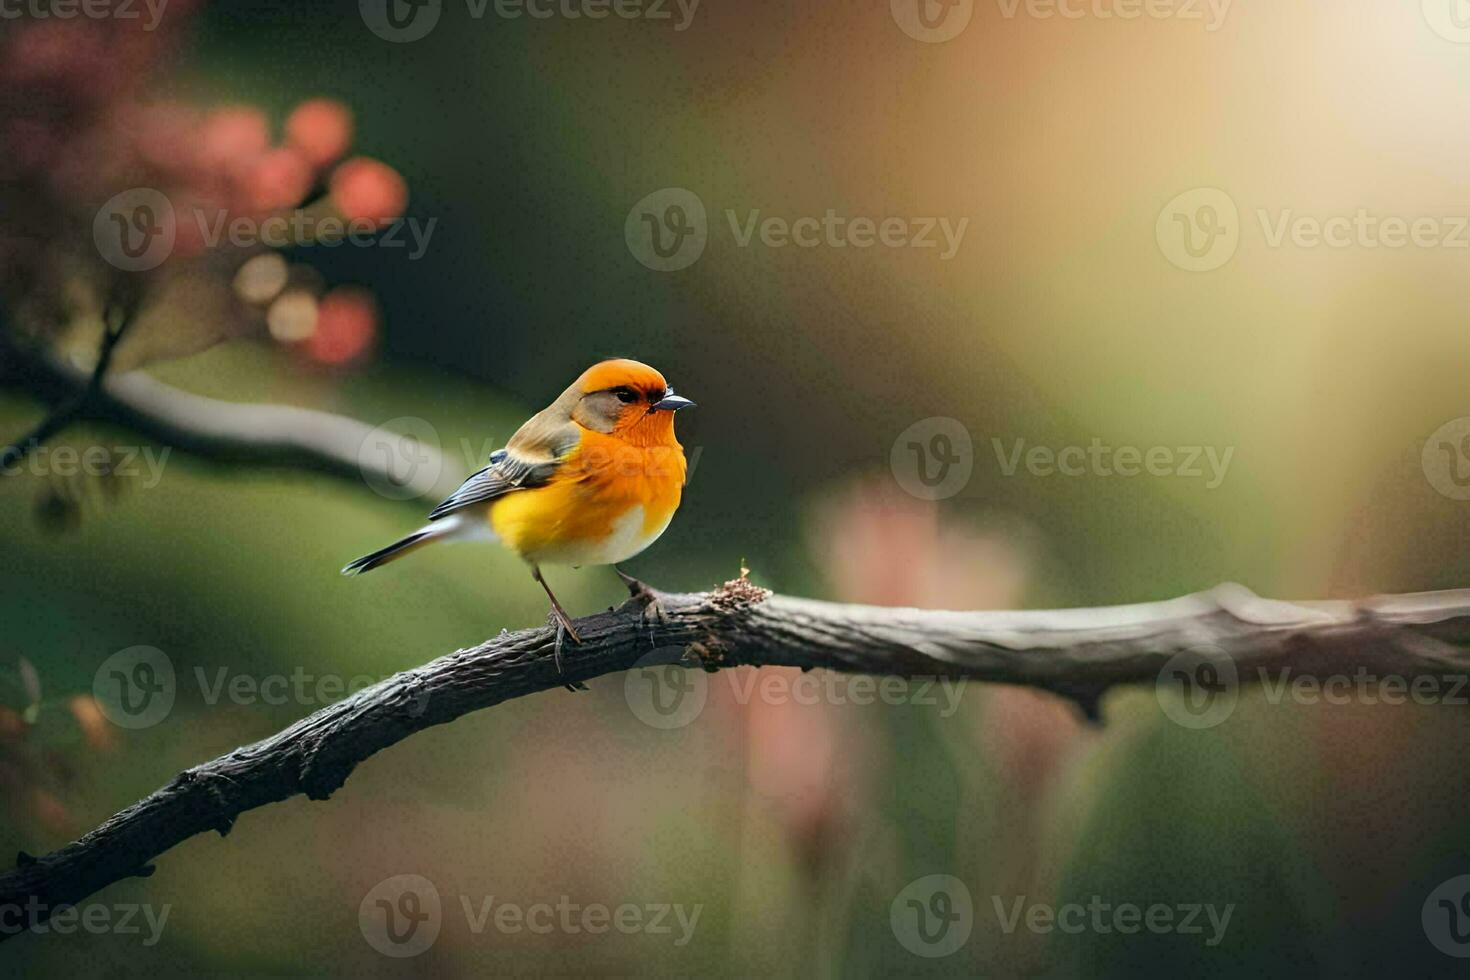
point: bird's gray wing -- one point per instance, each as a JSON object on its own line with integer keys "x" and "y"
{"x": 530, "y": 459}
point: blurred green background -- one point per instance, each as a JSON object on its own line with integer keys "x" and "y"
{"x": 1059, "y": 320}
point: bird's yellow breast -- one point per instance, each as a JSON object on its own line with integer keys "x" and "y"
{"x": 608, "y": 501}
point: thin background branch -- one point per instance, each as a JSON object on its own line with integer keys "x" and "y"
{"x": 220, "y": 431}
{"x": 79, "y": 402}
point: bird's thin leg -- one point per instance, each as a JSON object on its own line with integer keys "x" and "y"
{"x": 564, "y": 627}
{"x": 556, "y": 609}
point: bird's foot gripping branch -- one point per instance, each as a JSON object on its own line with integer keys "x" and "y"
{"x": 1227, "y": 636}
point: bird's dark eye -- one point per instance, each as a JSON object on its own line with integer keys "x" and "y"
{"x": 626, "y": 395}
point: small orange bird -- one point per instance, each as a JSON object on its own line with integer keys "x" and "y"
{"x": 592, "y": 479}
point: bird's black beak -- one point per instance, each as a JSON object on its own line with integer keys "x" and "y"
{"x": 672, "y": 402}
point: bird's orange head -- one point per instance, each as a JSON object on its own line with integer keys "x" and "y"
{"x": 627, "y": 399}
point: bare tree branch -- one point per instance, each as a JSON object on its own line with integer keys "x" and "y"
{"x": 79, "y": 401}
{"x": 1077, "y": 653}
{"x": 275, "y": 435}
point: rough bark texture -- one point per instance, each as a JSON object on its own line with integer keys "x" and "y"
{"x": 1076, "y": 653}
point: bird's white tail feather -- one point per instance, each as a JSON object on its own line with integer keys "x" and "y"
{"x": 456, "y": 527}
